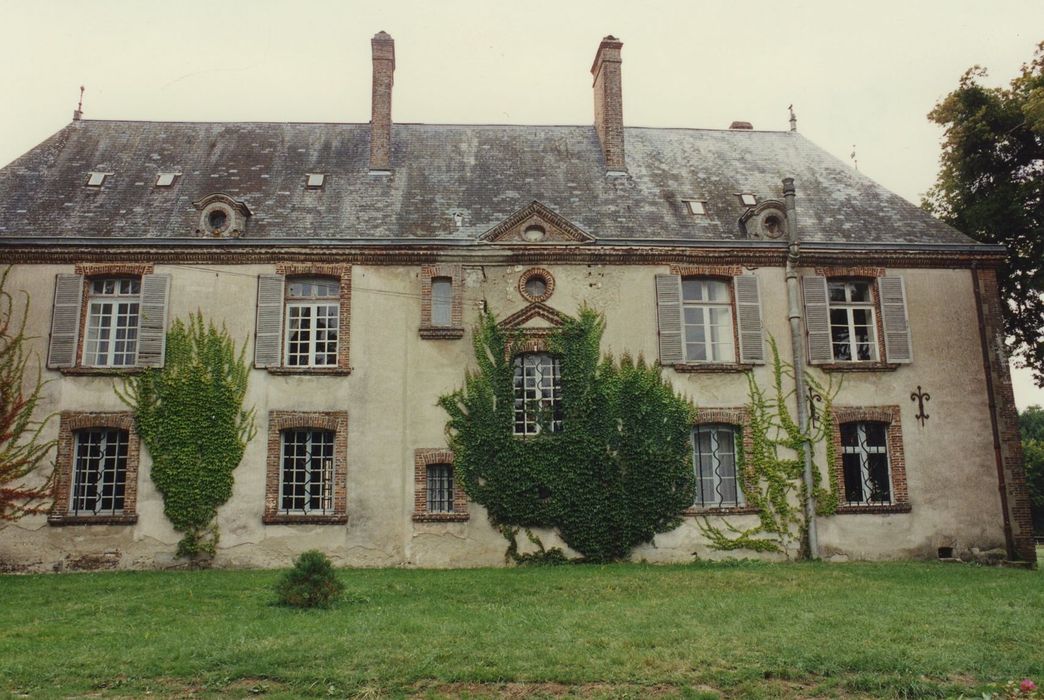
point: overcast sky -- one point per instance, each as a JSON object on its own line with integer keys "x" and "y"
{"x": 860, "y": 75}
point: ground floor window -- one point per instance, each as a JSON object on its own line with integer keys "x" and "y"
{"x": 538, "y": 393}
{"x": 864, "y": 455}
{"x": 99, "y": 472}
{"x": 440, "y": 488}
{"x": 715, "y": 457}
{"x": 306, "y": 483}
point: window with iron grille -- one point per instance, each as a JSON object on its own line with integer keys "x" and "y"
{"x": 538, "y": 393}
{"x": 707, "y": 320}
{"x": 99, "y": 472}
{"x": 852, "y": 322}
{"x": 313, "y": 316}
{"x": 440, "y": 488}
{"x": 864, "y": 455}
{"x": 306, "y": 483}
{"x": 715, "y": 457}
{"x": 112, "y": 322}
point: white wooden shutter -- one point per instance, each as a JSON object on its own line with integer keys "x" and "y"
{"x": 817, "y": 319}
{"x": 748, "y": 312}
{"x": 898, "y": 347}
{"x": 668, "y": 319}
{"x": 65, "y": 321}
{"x": 269, "y": 331}
{"x": 152, "y": 327}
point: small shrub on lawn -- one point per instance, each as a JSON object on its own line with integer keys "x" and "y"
{"x": 312, "y": 583}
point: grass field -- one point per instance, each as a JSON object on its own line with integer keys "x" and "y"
{"x": 691, "y": 631}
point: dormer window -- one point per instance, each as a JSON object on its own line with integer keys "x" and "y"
{"x": 696, "y": 207}
{"x": 96, "y": 179}
{"x": 221, "y": 215}
{"x": 165, "y": 179}
{"x": 747, "y": 199}
{"x": 315, "y": 181}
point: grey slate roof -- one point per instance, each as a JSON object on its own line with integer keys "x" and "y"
{"x": 485, "y": 172}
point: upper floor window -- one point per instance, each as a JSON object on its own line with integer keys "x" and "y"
{"x": 442, "y": 301}
{"x": 313, "y": 313}
{"x": 716, "y": 464}
{"x": 538, "y": 393}
{"x": 707, "y": 318}
{"x": 852, "y": 324}
{"x": 864, "y": 456}
{"x": 112, "y": 322}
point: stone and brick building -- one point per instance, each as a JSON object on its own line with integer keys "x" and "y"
{"x": 353, "y": 259}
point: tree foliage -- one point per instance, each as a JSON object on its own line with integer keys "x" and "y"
{"x": 312, "y": 583}
{"x": 22, "y": 449}
{"x": 1031, "y": 426}
{"x": 617, "y": 473}
{"x": 190, "y": 415}
{"x": 991, "y": 187}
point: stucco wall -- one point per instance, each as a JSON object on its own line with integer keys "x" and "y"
{"x": 390, "y": 397}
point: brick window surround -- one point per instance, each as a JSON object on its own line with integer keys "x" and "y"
{"x": 726, "y": 274}
{"x": 455, "y": 329}
{"x": 342, "y": 273}
{"x": 739, "y": 417}
{"x": 896, "y": 460}
{"x": 333, "y": 421}
{"x": 422, "y": 458}
{"x": 71, "y": 421}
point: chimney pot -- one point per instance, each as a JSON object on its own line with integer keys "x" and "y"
{"x": 608, "y": 103}
{"x": 741, "y": 126}
{"x": 383, "y": 48}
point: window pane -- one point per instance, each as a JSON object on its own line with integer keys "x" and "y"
{"x": 441, "y": 301}
{"x": 859, "y": 291}
{"x": 440, "y": 488}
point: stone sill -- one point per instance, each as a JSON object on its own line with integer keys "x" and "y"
{"x": 440, "y": 517}
{"x": 64, "y": 519}
{"x": 320, "y": 371}
{"x": 101, "y": 371}
{"x": 731, "y": 510}
{"x": 441, "y": 332}
{"x": 857, "y": 366}
{"x": 863, "y": 510}
{"x": 301, "y": 519}
{"x": 711, "y": 367}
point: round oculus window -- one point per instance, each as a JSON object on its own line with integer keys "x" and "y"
{"x": 536, "y": 284}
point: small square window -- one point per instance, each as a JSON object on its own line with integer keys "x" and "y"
{"x": 696, "y": 207}
{"x": 748, "y": 199}
{"x": 315, "y": 180}
{"x": 96, "y": 179}
{"x": 165, "y": 179}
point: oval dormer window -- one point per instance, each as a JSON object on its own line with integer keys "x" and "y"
{"x": 217, "y": 220}
{"x": 534, "y": 233}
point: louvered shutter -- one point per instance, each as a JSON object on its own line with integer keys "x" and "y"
{"x": 668, "y": 319}
{"x": 817, "y": 319}
{"x": 269, "y": 331}
{"x": 898, "y": 347}
{"x": 152, "y": 330}
{"x": 748, "y": 311}
{"x": 65, "y": 321}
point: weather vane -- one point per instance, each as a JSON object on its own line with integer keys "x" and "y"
{"x": 79, "y": 107}
{"x": 853, "y": 157}
{"x": 793, "y": 118}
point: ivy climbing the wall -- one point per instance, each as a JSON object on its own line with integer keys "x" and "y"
{"x": 619, "y": 470}
{"x": 190, "y": 415}
{"x": 773, "y": 467}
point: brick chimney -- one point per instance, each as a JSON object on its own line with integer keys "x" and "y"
{"x": 608, "y": 103}
{"x": 383, "y": 47}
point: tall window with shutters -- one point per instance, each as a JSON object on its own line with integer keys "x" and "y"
{"x": 102, "y": 321}
{"x": 847, "y": 318}
{"x": 709, "y": 320}
{"x": 302, "y": 319}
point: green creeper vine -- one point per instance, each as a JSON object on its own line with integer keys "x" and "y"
{"x": 190, "y": 415}
{"x": 772, "y": 468}
{"x": 617, "y": 473}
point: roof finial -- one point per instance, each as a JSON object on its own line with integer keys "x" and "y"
{"x": 793, "y": 118}
{"x": 78, "y": 113}
{"x": 855, "y": 162}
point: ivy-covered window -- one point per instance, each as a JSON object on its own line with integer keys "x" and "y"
{"x": 852, "y": 321}
{"x": 99, "y": 472}
{"x": 538, "y": 393}
{"x": 313, "y": 314}
{"x": 715, "y": 459}
{"x": 112, "y": 322}
{"x": 864, "y": 455}
{"x": 707, "y": 320}
{"x": 440, "y": 488}
{"x": 306, "y": 484}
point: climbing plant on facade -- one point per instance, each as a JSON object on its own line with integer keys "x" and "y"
{"x": 772, "y": 467}
{"x": 608, "y": 468}
{"x": 22, "y": 449}
{"x": 191, "y": 417}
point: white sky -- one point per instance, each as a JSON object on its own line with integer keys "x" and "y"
{"x": 859, "y": 74}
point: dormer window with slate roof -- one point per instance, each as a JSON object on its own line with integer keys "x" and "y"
{"x": 221, "y": 215}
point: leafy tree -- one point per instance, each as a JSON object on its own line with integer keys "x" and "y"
{"x": 22, "y": 450}
{"x": 1031, "y": 425}
{"x": 190, "y": 415}
{"x": 617, "y": 473}
{"x": 991, "y": 186}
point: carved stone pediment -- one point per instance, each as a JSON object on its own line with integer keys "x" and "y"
{"x": 535, "y": 224}
{"x": 532, "y": 325}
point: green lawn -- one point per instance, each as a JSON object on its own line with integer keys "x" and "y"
{"x": 739, "y": 630}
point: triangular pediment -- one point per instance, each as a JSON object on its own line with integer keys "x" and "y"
{"x": 536, "y": 316}
{"x": 535, "y": 224}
